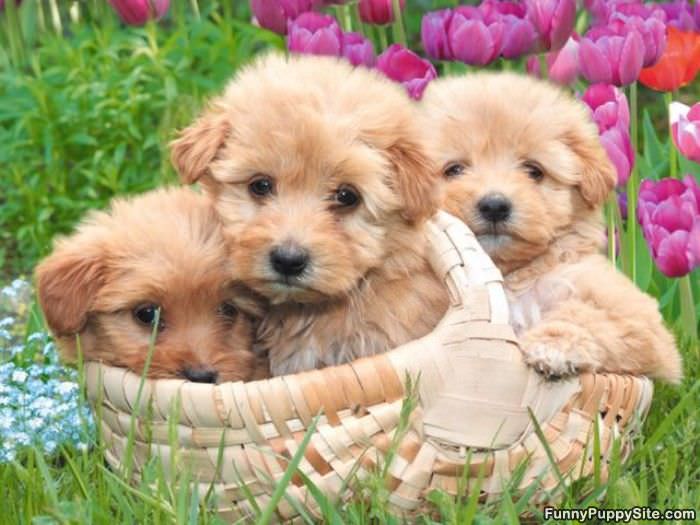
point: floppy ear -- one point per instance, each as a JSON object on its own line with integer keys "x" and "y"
{"x": 598, "y": 176}
{"x": 68, "y": 282}
{"x": 197, "y": 145}
{"x": 417, "y": 180}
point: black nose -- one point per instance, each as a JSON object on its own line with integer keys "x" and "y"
{"x": 289, "y": 260}
{"x": 495, "y": 207}
{"x": 200, "y": 375}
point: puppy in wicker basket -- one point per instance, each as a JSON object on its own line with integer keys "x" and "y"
{"x": 162, "y": 250}
{"x": 525, "y": 169}
{"x": 320, "y": 176}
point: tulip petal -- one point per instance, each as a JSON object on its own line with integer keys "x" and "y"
{"x": 631, "y": 58}
{"x": 594, "y": 64}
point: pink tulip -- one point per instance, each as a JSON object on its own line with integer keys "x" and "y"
{"x": 563, "y": 65}
{"x": 434, "y": 34}
{"x": 275, "y": 14}
{"x": 358, "y": 49}
{"x": 314, "y": 34}
{"x": 652, "y": 30}
{"x": 669, "y": 213}
{"x": 519, "y": 34}
{"x": 609, "y": 106}
{"x": 138, "y": 12}
{"x": 474, "y": 40}
{"x": 611, "y": 59}
{"x": 610, "y": 112}
{"x": 553, "y": 20}
{"x": 685, "y": 129}
{"x": 378, "y": 12}
{"x": 404, "y": 66}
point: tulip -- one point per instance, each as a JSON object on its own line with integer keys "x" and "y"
{"x": 434, "y": 34}
{"x": 611, "y": 115}
{"x": 553, "y": 20}
{"x": 685, "y": 129}
{"x": 563, "y": 65}
{"x": 378, "y": 12}
{"x": 474, "y": 40}
{"x": 622, "y": 204}
{"x": 609, "y": 106}
{"x": 652, "y": 30}
{"x": 669, "y": 213}
{"x": 678, "y": 65}
{"x": 138, "y": 12}
{"x": 611, "y": 59}
{"x": 679, "y": 14}
{"x": 404, "y": 66}
{"x": 358, "y": 49}
{"x": 314, "y": 34}
{"x": 519, "y": 34}
{"x": 275, "y": 14}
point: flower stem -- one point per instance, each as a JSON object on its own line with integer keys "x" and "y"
{"x": 398, "y": 30}
{"x": 383, "y": 43}
{"x": 195, "y": 9}
{"x": 688, "y": 321}
{"x": 632, "y": 190}
{"x": 672, "y": 152}
{"x": 544, "y": 67}
{"x": 56, "y": 17}
{"x": 345, "y": 17}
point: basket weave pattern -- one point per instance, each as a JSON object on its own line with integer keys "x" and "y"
{"x": 474, "y": 401}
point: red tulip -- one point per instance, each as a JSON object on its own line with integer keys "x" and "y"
{"x": 679, "y": 63}
{"x": 138, "y": 12}
{"x": 378, "y": 12}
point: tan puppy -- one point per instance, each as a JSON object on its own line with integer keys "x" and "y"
{"x": 525, "y": 169}
{"x": 320, "y": 176}
{"x": 161, "y": 250}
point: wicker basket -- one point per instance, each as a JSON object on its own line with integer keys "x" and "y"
{"x": 475, "y": 400}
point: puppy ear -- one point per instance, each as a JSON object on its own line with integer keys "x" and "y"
{"x": 197, "y": 145}
{"x": 598, "y": 176}
{"x": 68, "y": 283}
{"x": 417, "y": 180}
{"x": 248, "y": 301}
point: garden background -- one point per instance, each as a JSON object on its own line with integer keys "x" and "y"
{"x": 88, "y": 104}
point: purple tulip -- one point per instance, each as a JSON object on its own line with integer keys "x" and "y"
{"x": 611, "y": 59}
{"x": 519, "y": 34}
{"x": 563, "y": 65}
{"x": 404, "y": 66}
{"x": 680, "y": 14}
{"x": 553, "y": 20}
{"x": 685, "y": 129}
{"x": 669, "y": 213}
{"x": 138, "y": 12}
{"x": 474, "y": 40}
{"x": 275, "y": 14}
{"x": 652, "y": 30}
{"x": 358, "y": 49}
{"x": 434, "y": 29}
{"x": 622, "y": 204}
{"x": 314, "y": 34}
{"x": 378, "y": 12}
{"x": 610, "y": 112}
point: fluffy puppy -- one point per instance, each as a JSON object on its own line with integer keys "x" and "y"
{"x": 161, "y": 250}
{"x": 525, "y": 169}
{"x": 320, "y": 176}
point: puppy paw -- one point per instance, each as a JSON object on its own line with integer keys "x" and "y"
{"x": 550, "y": 361}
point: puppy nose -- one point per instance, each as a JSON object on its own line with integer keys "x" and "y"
{"x": 289, "y": 260}
{"x": 494, "y": 207}
{"x": 200, "y": 375}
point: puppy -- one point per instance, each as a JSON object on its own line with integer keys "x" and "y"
{"x": 524, "y": 168}
{"x": 320, "y": 176}
{"x": 162, "y": 250}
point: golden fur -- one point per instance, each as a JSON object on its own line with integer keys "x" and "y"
{"x": 163, "y": 248}
{"x": 573, "y": 311}
{"x": 312, "y": 126}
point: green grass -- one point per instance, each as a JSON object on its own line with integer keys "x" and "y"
{"x": 87, "y": 115}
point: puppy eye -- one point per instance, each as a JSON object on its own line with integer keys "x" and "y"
{"x": 533, "y": 170}
{"x": 146, "y": 314}
{"x": 228, "y": 310}
{"x": 261, "y": 186}
{"x": 346, "y": 197}
{"x": 454, "y": 169}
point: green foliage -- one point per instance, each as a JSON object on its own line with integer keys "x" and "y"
{"x": 90, "y": 116}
